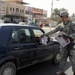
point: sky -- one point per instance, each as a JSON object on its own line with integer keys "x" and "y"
{"x": 46, "y": 5}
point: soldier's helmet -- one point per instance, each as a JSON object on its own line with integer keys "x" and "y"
{"x": 64, "y": 13}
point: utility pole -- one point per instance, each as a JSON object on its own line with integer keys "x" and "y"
{"x": 51, "y": 14}
{"x": 52, "y": 4}
{"x": 51, "y": 8}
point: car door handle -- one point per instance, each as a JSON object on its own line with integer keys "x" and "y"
{"x": 17, "y": 48}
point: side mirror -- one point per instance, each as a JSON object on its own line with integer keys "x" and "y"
{"x": 51, "y": 39}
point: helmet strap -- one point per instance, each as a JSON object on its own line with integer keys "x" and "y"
{"x": 65, "y": 23}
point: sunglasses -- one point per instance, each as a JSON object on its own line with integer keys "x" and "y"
{"x": 63, "y": 16}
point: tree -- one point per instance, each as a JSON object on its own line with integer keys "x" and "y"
{"x": 56, "y": 13}
{"x": 72, "y": 17}
{"x": 62, "y": 9}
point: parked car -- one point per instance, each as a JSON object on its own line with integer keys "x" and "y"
{"x": 19, "y": 48}
{"x": 47, "y": 25}
{"x": 32, "y": 24}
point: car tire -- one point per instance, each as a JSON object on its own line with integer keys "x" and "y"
{"x": 8, "y": 68}
{"x": 56, "y": 58}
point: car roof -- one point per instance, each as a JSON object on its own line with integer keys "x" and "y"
{"x": 12, "y": 24}
{"x": 18, "y": 25}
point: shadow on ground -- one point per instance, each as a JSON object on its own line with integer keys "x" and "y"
{"x": 45, "y": 68}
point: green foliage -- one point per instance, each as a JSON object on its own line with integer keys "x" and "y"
{"x": 56, "y": 13}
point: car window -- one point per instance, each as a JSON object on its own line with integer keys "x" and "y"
{"x": 21, "y": 36}
{"x": 38, "y": 32}
{"x": 15, "y": 38}
{"x": 24, "y": 35}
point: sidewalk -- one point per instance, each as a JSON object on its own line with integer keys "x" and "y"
{"x": 47, "y": 29}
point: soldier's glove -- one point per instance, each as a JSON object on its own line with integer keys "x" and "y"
{"x": 71, "y": 39}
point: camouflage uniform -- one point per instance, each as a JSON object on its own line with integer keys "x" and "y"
{"x": 69, "y": 29}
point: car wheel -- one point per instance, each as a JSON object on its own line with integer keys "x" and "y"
{"x": 56, "y": 58}
{"x": 8, "y": 68}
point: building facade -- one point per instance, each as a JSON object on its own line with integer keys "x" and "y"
{"x": 16, "y": 11}
{"x": 2, "y": 9}
{"x": 13, "y": 0}
{"x": 35, "y": 14}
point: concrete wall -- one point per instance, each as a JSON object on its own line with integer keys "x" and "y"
{"x": 2, "y": 8}
{"x": 14, "y": 0}
{"x": 12, "y": 7}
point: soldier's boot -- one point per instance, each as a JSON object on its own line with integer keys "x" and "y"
{"x": 74, "y": 73}
{"x": 61, "y": 72}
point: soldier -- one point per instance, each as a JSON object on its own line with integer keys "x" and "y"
{"x": 68, "y": 27}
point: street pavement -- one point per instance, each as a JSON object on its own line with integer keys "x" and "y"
{"x": 45, "y": 68}
{"x": 69, "y": 70}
